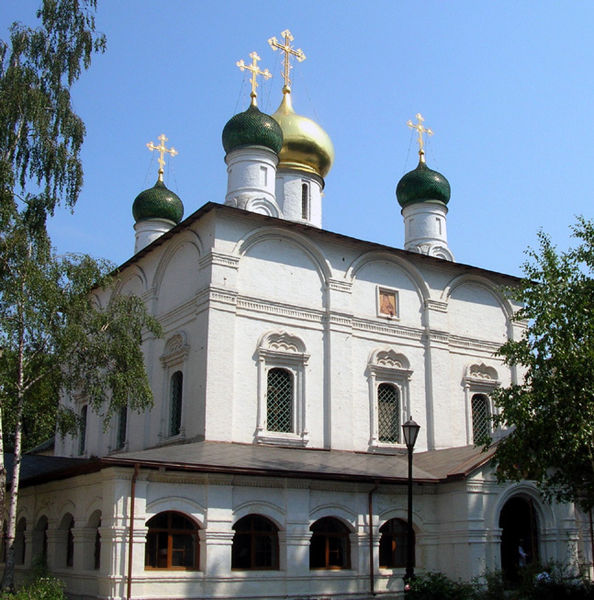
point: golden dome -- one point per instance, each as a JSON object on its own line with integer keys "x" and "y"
{"x": 306, "y": 146}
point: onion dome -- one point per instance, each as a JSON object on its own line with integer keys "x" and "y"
{"x": 423, "y": 185}
{"x": 158, "y": 202}
{"x": 306, "y": 146}
{"x": 252, "y": 128}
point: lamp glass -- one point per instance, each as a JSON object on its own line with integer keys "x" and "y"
{"x": 411, "y": 431}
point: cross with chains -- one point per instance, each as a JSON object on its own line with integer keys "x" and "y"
{"x": 289, "y": 51}
{"x": 255, "y": 71}
{"x": 420, "y": 128}
{"x": 162, "y": 150}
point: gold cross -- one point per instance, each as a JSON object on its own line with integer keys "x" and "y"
{"x": 286, "y": 48}
{"x": 420, "y": 130}
{"x": 255, "y": 71}
{"x": 161, "y": 148}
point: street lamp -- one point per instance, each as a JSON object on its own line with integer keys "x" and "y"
{"x": 411, "y": 431}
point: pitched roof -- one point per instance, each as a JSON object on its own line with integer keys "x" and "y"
{"x": 434, "y": 466}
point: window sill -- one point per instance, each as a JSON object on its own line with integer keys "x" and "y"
{"x": 282, "y": 439}
{"x": 384, "y": 448}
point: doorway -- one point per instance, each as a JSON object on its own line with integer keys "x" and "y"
{"x": 519, "y": 537}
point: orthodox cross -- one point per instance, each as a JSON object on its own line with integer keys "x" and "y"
{"x": 289, "y": 51}
{"x": 161, "y": 148}
{"x": 255, "y": 71}
{"x": 420, "y": 130}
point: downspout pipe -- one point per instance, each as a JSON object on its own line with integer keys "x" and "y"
{"x": 131, "y": 529}
{"x": 371, "y": 565}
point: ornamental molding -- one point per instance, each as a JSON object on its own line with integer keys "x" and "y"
{"x": 436, "y": 305}
{"x": 220, "y": 259}
{"x": 389, "y": 358}
{"x": 339, "y": 285}
{"x": 481, "y": 376}
{"x": 389, "y": 328}
{"x": 474, "y": 344}
{"x": 281, "y": 341}
{"x": 176, "y": 349}
{"x": 276, "y": 308}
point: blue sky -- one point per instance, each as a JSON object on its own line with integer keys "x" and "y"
{"x": 506, "y": 86}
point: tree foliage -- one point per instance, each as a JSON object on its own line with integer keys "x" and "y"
{"x": 61, "y": 330}
{"x": 551, "y": 413}
{"x": 40, "y": 134}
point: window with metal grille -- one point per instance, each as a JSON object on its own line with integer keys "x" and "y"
{"x": 480, "y": 416}
{"x": 393, "y": 544}
{"x": 279, "y": 401}
{"x": 175, "y": 411}
{"x": 255, "y": 544}
{"x": 388, "y": 413}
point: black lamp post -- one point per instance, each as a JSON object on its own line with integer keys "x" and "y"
{"x": 411, "y": 431}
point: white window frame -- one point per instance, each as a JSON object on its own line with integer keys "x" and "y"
{"x": 478, "y": 379}
{"x": 173, "y": 359}
{"x": 387, "y": 366}
{"x": 279, "y": 349}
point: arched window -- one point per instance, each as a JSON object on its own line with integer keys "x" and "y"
{"x": 393, "y": 544}
{"x": 171, "y": 542}
{"x": 388, "y": 413}
{"x": 175, "y": 407}
{"x": 279, "y": 401}
{"x": 480, "y": 417}
{"x": 19, "y": 542}
{"x": 255, "y": 544}
{"x": 82, "y": 440}
{"x": 94, "y": 561}
{"x": 330, "y": 546}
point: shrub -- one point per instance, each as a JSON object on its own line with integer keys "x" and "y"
{"x": 43, "y": 588}
{"x": 436, "y": 586}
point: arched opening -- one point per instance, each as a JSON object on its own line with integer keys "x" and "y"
{"x": 19, "y": 542}
{"x": 171, "y": 542}
{"x": 519, "y": 536}
{"x": 394, "y": 544}
{"x": 40, "y": 542}
{"x": 255, "y": 544}
{"x": 330, "y": 546}
{"x": 95, "y": 523}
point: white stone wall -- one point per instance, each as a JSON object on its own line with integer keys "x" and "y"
{"x": 229, "y": 279}
{"x": 456, "y": 527}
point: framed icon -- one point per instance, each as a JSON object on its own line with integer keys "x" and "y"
{"x": 387, "y": 302}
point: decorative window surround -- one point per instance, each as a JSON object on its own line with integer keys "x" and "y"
{"x": 478, "y": 379}
{"x": 173, "y": 359}
{"x": 387, "y": 366}
{"x": 279, "y": 349}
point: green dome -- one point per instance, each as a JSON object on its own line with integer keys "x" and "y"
{"x": 423, "y": 185}
{"x": 252, "y": 128}
{"x": 158, "y": 202}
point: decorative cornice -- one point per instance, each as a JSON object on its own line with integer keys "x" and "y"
{"x": 220, "y": 259}
{"x": 276, "y": 308}
{"x": 389, "y": 328}
{"x": 437, "y": 305}
{"x": 339, "y": 285}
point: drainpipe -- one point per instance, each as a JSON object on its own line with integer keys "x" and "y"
{"x": 371, "y": 565}
{"x": 131, "y": 528}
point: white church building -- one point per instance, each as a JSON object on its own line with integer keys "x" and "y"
{"x": 272, "y": 464}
